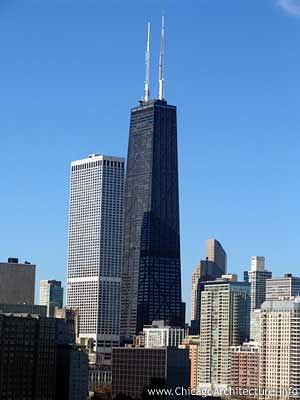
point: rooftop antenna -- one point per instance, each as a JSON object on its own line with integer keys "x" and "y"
{"x": 147, "y": 59}
{"x": 161, "y": 61}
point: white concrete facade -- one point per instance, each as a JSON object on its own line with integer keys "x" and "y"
{"x": 95, "y": 249}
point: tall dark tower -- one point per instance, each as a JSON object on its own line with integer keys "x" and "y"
{"x": 151, "y": 279}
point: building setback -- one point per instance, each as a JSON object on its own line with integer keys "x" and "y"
{"x": 95, "y": 250}
{"x": 17, "y": 282}
{"x": 136, "y": 369}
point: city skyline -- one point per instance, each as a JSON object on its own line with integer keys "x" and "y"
{"x": 244, "y": 238}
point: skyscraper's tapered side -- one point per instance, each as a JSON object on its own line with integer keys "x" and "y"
{"x": 151, "y": 278}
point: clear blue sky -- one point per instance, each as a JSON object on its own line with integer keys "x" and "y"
{"x": 71, "y": 70}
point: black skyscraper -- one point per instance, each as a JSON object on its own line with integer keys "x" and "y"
{"x": 151, "y": 287}
{"x": 151, "y": 276}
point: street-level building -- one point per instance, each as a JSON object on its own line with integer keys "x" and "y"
{"x": 134, "y": 370}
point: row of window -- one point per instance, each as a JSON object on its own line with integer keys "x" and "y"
{"x": 108, "y": 163}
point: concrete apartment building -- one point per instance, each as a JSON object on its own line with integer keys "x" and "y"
{"x": 225, "y": 315}
{"x": 279, "y": 369}
{"x": 17, "y": 282}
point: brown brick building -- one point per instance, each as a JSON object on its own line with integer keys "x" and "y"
{"x": 244, "y": 371}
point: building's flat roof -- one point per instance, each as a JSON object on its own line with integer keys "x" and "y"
{"x": 97, "y": 157}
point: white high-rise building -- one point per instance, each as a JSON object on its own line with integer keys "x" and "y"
{"x": 225, "y": 314}
{"x": 257, "y": 278}
{"x": 159, "y": 334}
{"x": 280, "y": 350}
{"x": 95, "y": 250}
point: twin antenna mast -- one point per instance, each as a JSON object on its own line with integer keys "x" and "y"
{"x": 161, "y": 63}
{"x": 147, "y": 78}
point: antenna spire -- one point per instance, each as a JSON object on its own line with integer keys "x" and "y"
{"x": 161, "y": 61}
{"x": 147, "y": 59}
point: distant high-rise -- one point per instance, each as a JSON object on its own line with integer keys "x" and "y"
{"x": 95, "y": 250}
{"x": 204, "y": 271}
{"x": 225, "y": 315}
{"x": 282, "y": 288}
{"x": 51, "y": 295}
{"x": 17, "y": 282}
{"x": 151, "y": 280}
{"x": 216, "y": 253}
{"x": 213, "y": 267}
{"x": 280, "y": 350}
{"x": 194, "y": 301}
{"x": 257, "y": 278}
